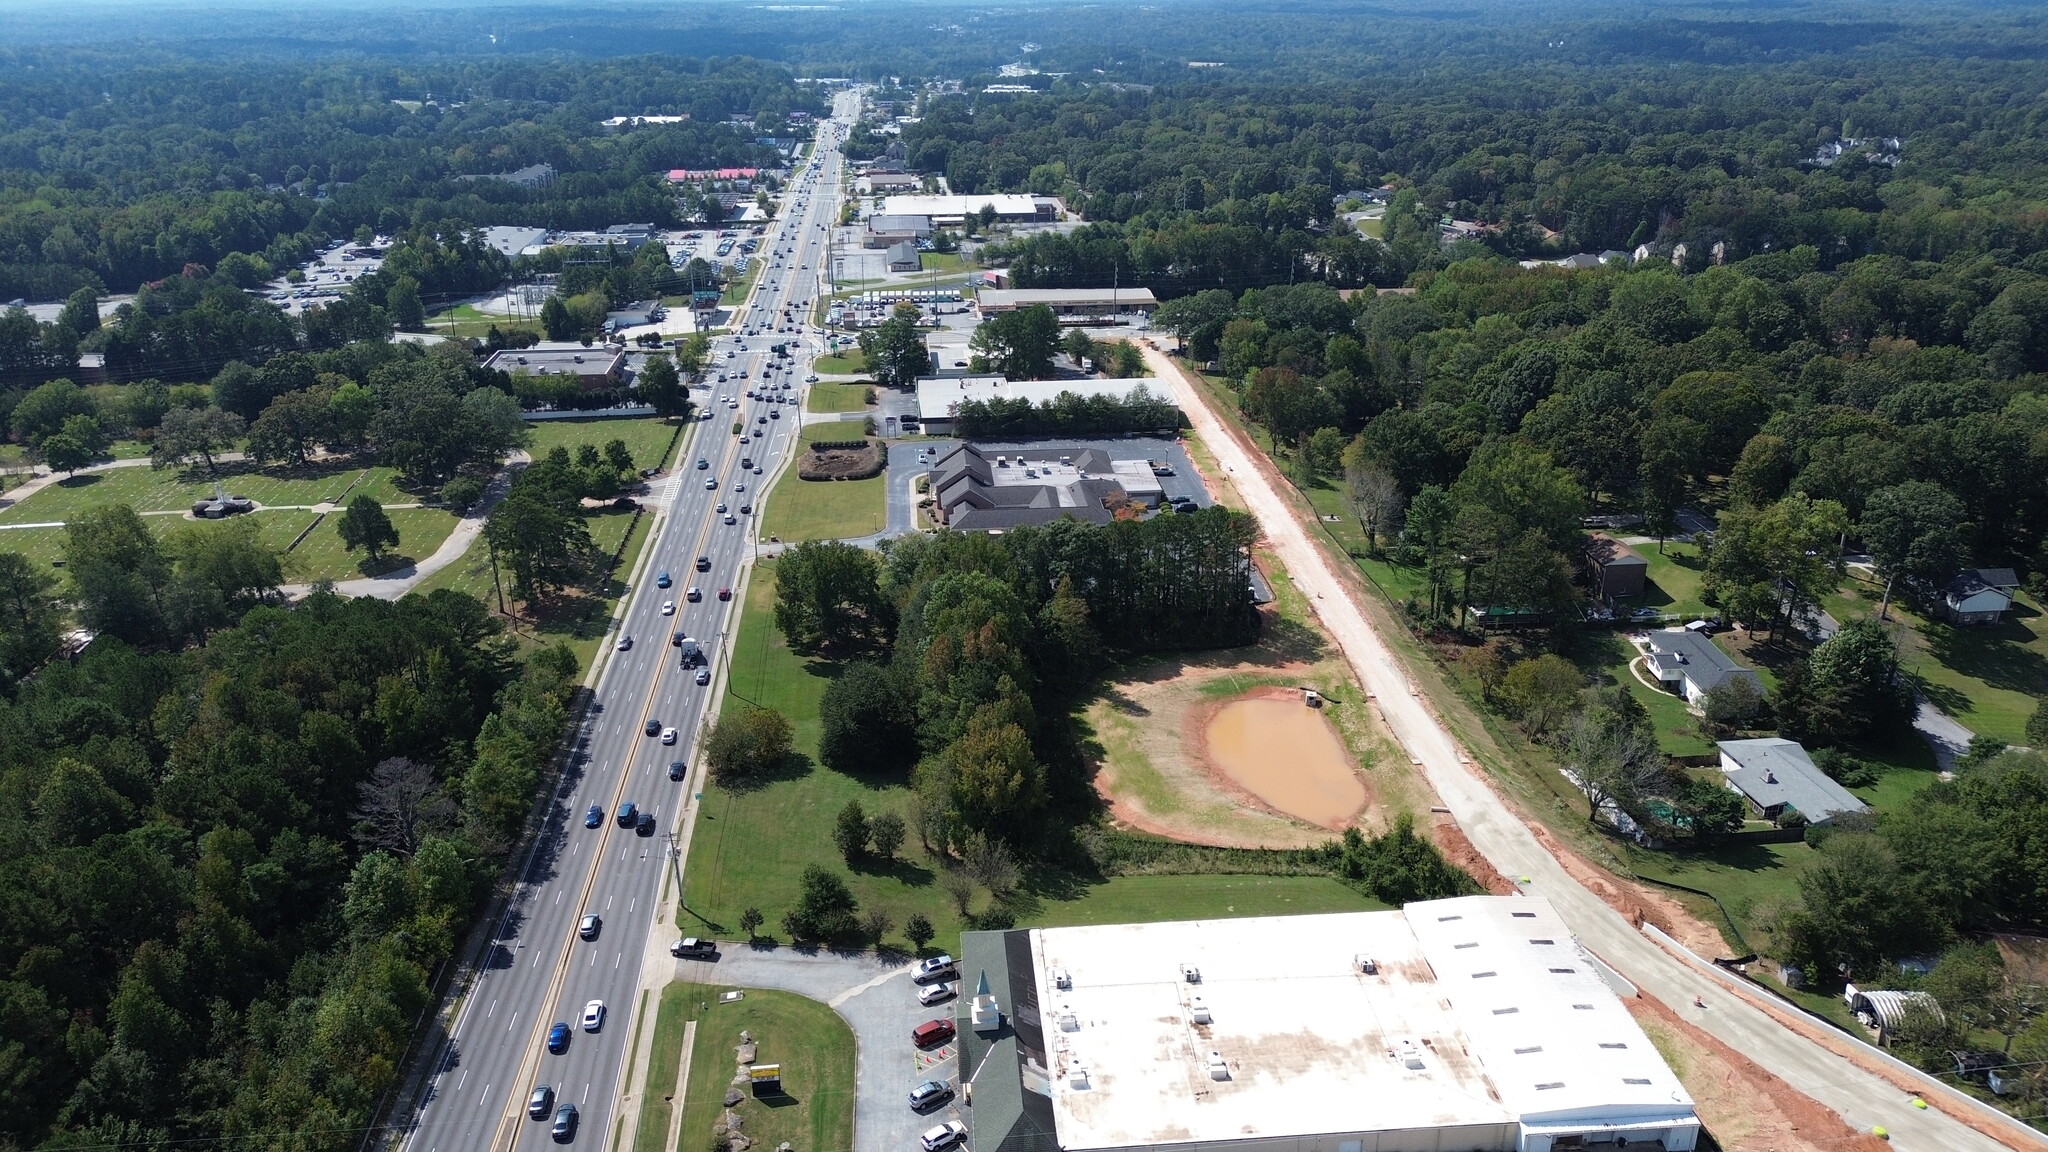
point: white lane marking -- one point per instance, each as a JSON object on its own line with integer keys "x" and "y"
{"x": 464, "y": 1080}
{"x": 484, "y": 1097}
{"x": 493, "y": 1011}
{"x": 615, "y": 961}
{"x": 511, "y": 1021}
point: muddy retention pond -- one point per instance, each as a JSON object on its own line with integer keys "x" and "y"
{"x": 1288, "y": 755}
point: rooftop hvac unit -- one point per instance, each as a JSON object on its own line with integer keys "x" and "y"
{"x": 1061, "y": 978}
{"x": 1368, "y": 965}
{"x": 1199, "y": 1010}
{"x": 1218, "y": 1068}
{"x": 1077, "y": 1077}
{"x": 1067, "y": 1020}
{"x": 1191, "y": 974}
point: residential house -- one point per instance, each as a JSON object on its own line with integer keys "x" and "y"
{"x": 1691, "y": 664}
{"x": 1775, "y": 774}
{"x": 1979, "y": 595}
{"x": 1615, "y": 569}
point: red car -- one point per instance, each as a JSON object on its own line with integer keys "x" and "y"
{"x": 725, "y": 593}
{"x": 931, "y": 1032}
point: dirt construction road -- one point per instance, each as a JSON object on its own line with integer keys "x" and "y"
{"x": 1862, "y": 1099}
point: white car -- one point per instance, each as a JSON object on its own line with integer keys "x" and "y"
{"x": 931, "y": 969}
{"x": 668, "y": 607}
{"x": 625, "y": 643}
{"x": 931, "y": 994}
{"x": 668, "y": 735}
{"x": 944, "y": 1136}
{"x": 593, "y": 1016}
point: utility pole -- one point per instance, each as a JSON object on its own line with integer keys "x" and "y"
{"x": 675, "y": 863}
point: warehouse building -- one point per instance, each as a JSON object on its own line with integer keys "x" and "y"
{"x": 1467, "y": 1025}
{"x": 939, "y": 397}
{"x": 1070, "y": 301}
{"x": 954, "y": 210}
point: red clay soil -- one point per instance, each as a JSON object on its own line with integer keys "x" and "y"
{"x": 1746, "y": 1108}
{"x": 1637, "y": 902}
{"x": 1450, "y": 840}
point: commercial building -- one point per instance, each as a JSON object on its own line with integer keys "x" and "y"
{"x": 883, "y": 183}
{"x": 1467, "y": 1025}
{"x": 515, "y": 240}
{"x": 950, "y": 210}
{"x": 978, "y": 491}
{"x": 903, "y": 257}
{"x": 531, "y": 176}
{"x": 939, "y": 398}
{"x": 594, "y": 368}
{"x": 1775, "y": 774}
{"x": 889, "y": 231}
{"x": 1070, "y": 301}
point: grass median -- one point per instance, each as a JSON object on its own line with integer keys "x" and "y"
{"x": 811, "y": 1043}
{"x": 800, "y": 509}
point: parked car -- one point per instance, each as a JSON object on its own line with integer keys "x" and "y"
{"x": 931, "y": 1032}
{"x": 690, "y": 947}
{"x": 593, "y": 1016}
{"x": 944, "y": 1136}
{"x": 931, "y": 994}
{"x": 933, "y": 968}
{"x": 930, "y": 1094}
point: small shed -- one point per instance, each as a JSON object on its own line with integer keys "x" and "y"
{"x": 1884, "y": 1010}
{"x": 1615, "y": 569}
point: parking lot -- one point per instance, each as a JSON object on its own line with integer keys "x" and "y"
{"x": 879, "y": 1001}
{"x": 328, "y": 275}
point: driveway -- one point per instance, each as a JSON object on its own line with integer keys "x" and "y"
{"x": 876, "y": 998}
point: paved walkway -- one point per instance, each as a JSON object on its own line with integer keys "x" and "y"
{"x": 397, "y": 582}
{"x": 1861, "y": 1098}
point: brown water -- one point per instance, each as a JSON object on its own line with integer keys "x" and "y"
{"x": 1288, "y": 755}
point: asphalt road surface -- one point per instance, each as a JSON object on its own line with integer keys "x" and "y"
{"x": 540, "y": 971}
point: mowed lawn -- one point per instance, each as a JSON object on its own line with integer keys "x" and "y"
{"x": 837, "y": 398}
{"x": 321, "y": 555}
{"x": 648, "y": 438}
{"x": 809, "y": 1040}
{"x": 844, "y": 363}
{"x": 800, "y": 509}
{"x": 752, "y": 845}
{"x": 148, "y": 489}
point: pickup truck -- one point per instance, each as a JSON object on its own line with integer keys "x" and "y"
{"x": 690, "y": 947}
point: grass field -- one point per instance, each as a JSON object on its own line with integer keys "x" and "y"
{"x": 648, "y": 437}
{"x": 321, "y": 555}
{"x": 152, "y": 490}
{"x": 850, "y": 361}
{"x": 837, "y": 398}
{"x": 464, "y": 321}
{"x": 808, "y": 1039}
{"x": 800, "y": 509}
{"x": 752, "y": 846}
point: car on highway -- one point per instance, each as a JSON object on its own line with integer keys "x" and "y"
{"x": 930, "y": 1094}
{"x": 731, "y": 519}
{"x": 564, "y": 1129}
{"x": 932, "y": 1032}
{"x": 721, "y": 507}
{"x": 593, "y": 1016}
{"x": 932, "y": 969}
{"x": 668, "y": 736}
{"x": 645, "y": 827}
{"x": 625, "y": 643}
{"x": 694, "y": 594}
{"x": 652, "y": 728}
{"x": 676, "y": 770}
{"x": 739, "y": 488}
{"x": 593, "y": 816}
{"x": 702, "y": 463}
{"x": 558, "y": 1038}
{"x": 811, "y": 379}
{"x": 725, "y": 593}
{"x": 541, "y": 1102}
{"x": 711, "y": 485}
{"x": 627, "y": 812}
{"x": 931, "y": 994}
{"x": 703, "y": 563}
{"x": 746, "y": 509}
{"x": 690, "y": 947}
{"x": 944, "y": 1136}
{"x": 703, "y": 675}
{"x": 590, "y": 927}
{"x": 662, "y": 580}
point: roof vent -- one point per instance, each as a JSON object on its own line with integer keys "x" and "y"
{"x": 1067, "y": 1020}
{"x": 1077, "y": 1077}
{"x": 1191, "y": 974}
{"x": 1219, "y": 1069}
{"x": 1409, "y": 1056}
{"x": 1199, "y": 1010}
{"x": 1061, "y": 978}
{"x": 1367, "y": 965}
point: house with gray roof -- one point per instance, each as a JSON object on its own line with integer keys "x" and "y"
{"x": 1691, "y": 664}
{"x": 1775, "y": 774}
{"x": 1979, "y": 595}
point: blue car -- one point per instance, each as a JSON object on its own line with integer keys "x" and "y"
{"x": 662, "y": 581}
{"x": 593, "y": 817}
{"x": 558, "y": 1038}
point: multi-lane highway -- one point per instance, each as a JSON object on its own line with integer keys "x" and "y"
{"x": 543, "y": 968}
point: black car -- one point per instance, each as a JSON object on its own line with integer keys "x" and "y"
{"x": 593, "y": 816}
{"x": 542, "y": 1103}
{"x": 675, "y": 769}
{"x": 653, "y": 728}
{"x": 645, "y": 825}
{"x": 565, "y": 1124}
{"x": 703, "y": 563}
{"x": 627, "y": 811}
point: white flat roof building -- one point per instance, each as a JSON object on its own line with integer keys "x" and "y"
{"x": 955, "y": 209}
{"x": 1069, "y": 301}
{"x": 1449, "y": 1026}
{"x": 939, "y": 398}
